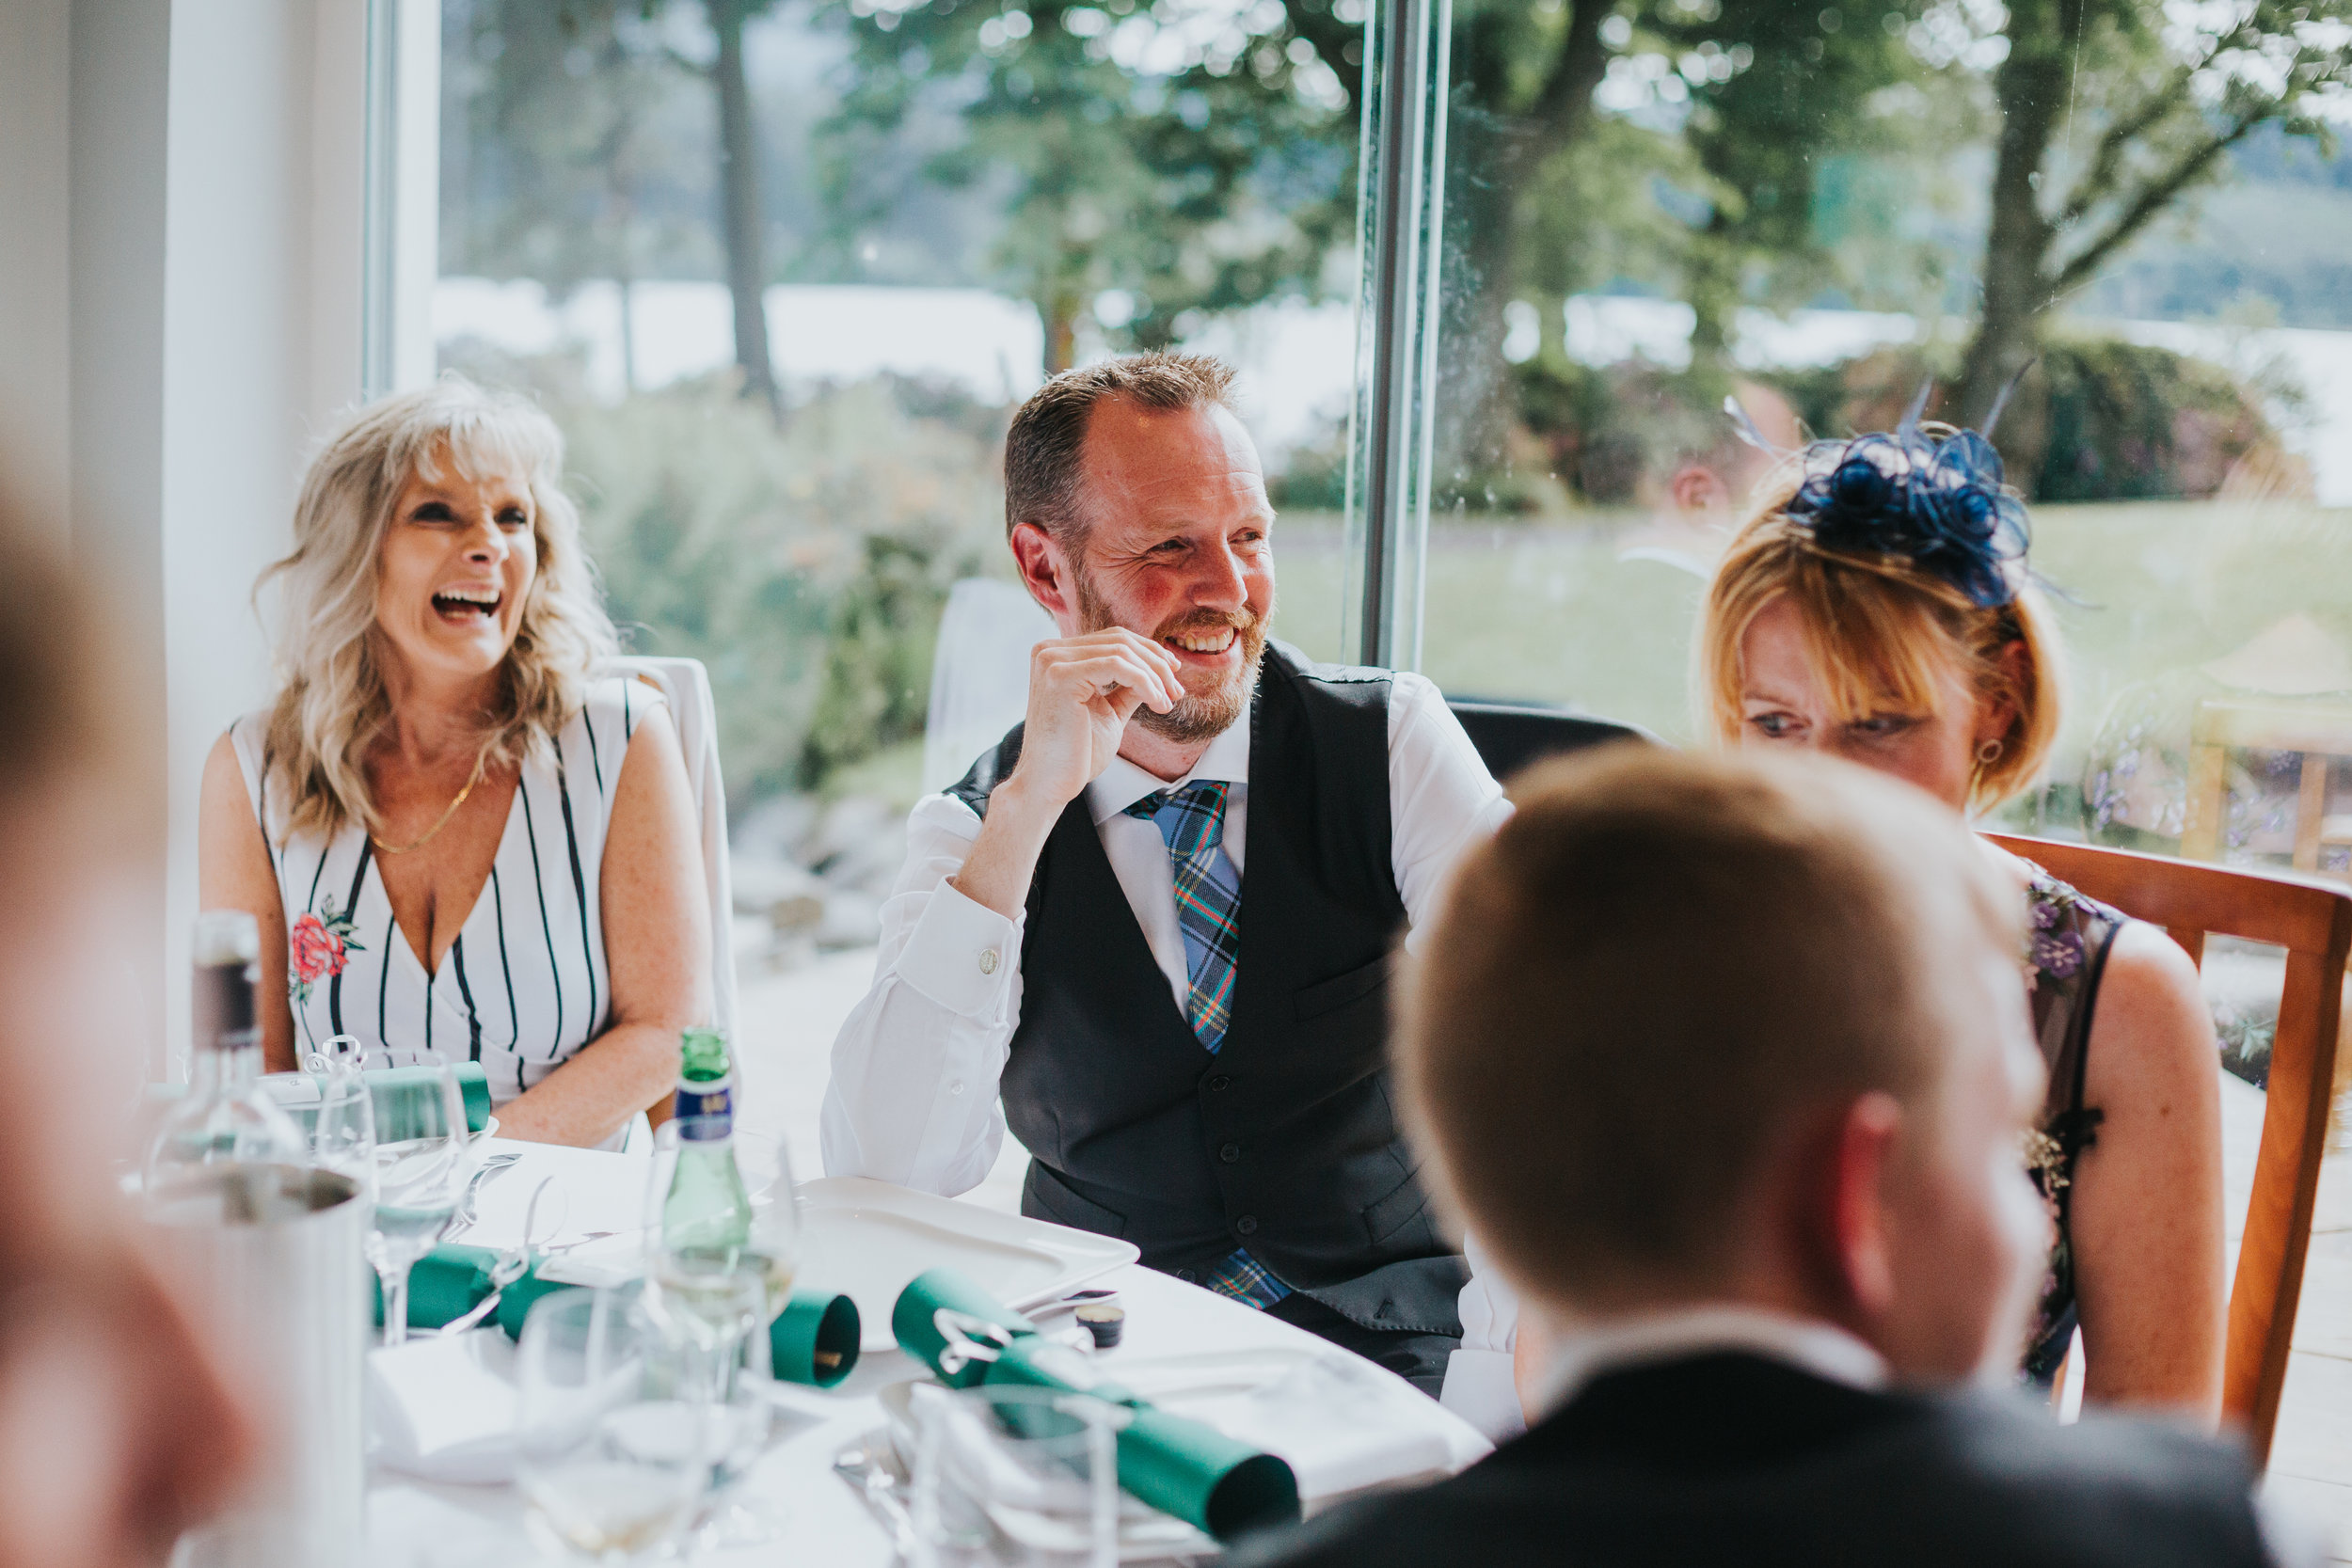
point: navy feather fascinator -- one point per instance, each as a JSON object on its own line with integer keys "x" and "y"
{"x": 1940, "y": 501}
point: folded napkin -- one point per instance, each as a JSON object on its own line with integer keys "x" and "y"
{"x": 444, "y": 1409}
{"x": 1180, "y": 1466}
{"x": 812, "y": 1340}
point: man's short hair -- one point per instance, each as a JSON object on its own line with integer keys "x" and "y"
{"x": 1655, "y": 970}
{"x": 1043, "y": 448}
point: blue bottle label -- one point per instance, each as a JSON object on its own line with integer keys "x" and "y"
{"x": 705, "y": 1112}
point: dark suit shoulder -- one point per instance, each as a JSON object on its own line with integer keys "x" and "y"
{"x": 1847, "y": 1477}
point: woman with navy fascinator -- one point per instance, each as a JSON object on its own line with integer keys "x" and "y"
{"x": 1877, "y": 606}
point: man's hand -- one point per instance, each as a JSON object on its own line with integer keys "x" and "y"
{"x": 1082, "y": 691}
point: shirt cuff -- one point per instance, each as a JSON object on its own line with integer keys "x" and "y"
{"x": 1479, "y": 1389}
{"x": 961, "y": 955}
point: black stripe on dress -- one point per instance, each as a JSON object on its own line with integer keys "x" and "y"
{"x": 579, "y": 883}
{"x": 514, "y": 1019}
{"x": 539, "y": 880}
{"x": 473, "y": 1021}
{"x": 430, "y": 976}
{"x": 260, "y": 813}
{"x": 384, "y": 972}
{"x": 596, "y": 758}
{"x": 335, "y": 986}
{"x": 629, "y": 720}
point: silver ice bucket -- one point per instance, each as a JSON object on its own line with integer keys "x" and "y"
{"x": 272, "y": 1260}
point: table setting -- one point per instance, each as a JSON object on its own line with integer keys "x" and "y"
{"x": 485, "y": 1349}
{"x": 837, "y": 1476}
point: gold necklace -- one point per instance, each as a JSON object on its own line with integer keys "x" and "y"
{"x": 406, "y": 848}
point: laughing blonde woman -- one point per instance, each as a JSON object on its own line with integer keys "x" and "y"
{"x": 456, "y": 828}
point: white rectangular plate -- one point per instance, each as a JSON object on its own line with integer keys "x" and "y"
{"x": 867, "y": 1239}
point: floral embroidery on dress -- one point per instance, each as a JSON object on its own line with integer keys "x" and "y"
{"x": 317, "y": 948}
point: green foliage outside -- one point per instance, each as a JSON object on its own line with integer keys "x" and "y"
{"x": 806, "y": 568}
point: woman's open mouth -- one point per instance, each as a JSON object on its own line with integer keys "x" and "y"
{"x": 467, "y": 605}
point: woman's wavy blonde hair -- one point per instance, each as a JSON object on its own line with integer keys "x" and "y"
{"x": 1879, "y": 631}
{"x": 333, "y": 703}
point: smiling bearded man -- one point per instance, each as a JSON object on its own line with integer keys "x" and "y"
{"x": 1196, "y": 1062}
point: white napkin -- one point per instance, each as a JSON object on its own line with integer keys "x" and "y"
{"x": 1339, "y": 1422}
{"x": 443, "y": 1408}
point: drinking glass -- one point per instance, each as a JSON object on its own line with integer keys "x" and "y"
{"x": 1015, "y": 1477}
{"x": 343, "y": 1133}
{"x": 421, "y": 1161}
{"x": 613, "y": 1452}
{"x": 715, "y": 1338}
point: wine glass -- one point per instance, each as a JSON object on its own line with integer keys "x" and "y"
{"x": 421, "y": 1160}
{"x": 343, "y": 1133}
{"x": 612, "y": 1450}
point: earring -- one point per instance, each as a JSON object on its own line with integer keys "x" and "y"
{"x": 1989, "y": 752}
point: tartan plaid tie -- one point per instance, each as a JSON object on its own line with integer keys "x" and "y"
{"x": 1191, "y": 821}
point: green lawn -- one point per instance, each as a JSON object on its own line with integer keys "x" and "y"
{"x": 1543, "y": 609}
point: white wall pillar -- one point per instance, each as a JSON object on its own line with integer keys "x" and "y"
{"x": 261, "y": 338}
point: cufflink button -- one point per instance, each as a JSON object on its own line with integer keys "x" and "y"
{"x": 987, "y": 960}
{"x": 1247, "y": 1225}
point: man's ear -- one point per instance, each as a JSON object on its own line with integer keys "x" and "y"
{"x": 1045, "y": 572}
{"x": 1697, "y": 487}
{"x": 1853, "y": 1204}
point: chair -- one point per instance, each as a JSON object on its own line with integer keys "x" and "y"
{"x": 685, "y": 685}
{"x": 2321, "y": 732}
{"x": 1510, "y": 735}
{"x": 2312, "y": 921}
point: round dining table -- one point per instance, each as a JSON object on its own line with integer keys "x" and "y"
{"x": 821, "y": 1519}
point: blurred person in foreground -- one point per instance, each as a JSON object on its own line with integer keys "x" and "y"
{"x": 117, "y": 1429}
{"x": 1771, "y": 1214}
{"x": 1155, "y": 922}
{"x": 456, "y": 827}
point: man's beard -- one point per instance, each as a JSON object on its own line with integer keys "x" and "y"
{"x": 1197, "y": 715}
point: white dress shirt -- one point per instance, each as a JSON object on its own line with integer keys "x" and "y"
{"x": 914, "y": 1097}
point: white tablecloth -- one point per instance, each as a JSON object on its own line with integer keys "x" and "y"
{"x": 416, "y": 1524}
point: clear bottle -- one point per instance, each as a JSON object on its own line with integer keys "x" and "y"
{"x": 226, "y": 1119}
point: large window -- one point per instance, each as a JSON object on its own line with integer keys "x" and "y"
{"x": 781, "y": 271}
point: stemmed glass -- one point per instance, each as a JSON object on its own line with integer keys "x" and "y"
{"x": 343, "y": 1133}
{"x": 420, "y": 1166}
{"x": 726, "y": 1299}
{"x": 612, "y": 1451}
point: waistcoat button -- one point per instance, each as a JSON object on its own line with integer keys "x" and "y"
{"x": 1231, "y": 1153}
{"x": 1219, "y": 1084}
{"x": 1247, "y": 1225}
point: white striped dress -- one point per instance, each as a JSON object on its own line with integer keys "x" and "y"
{"x": 524, "y": 985}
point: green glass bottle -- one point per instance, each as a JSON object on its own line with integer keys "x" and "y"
{"x": 708, "y": 1228}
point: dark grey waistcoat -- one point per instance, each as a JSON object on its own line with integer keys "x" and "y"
{"x": 1285, "y": 1141}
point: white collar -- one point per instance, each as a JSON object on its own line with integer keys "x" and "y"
{"x": 1822, "y": 1349}
{"x": 1123, "y": 784}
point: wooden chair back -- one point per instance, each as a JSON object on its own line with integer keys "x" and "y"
{"x": 2312, "y": 921}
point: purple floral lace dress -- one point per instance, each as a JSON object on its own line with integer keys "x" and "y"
{"x": 2066, "y": 953}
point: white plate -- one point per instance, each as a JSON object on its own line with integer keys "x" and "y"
{"x": 867, "y": 1239}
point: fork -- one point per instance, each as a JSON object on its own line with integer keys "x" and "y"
{"x": 511, "y": 1265}
{"x": 468, "y": 1209}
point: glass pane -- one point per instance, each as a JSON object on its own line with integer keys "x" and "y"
{"x": 785, "y": 327}
{"x": 781, "y": 271}
{"x": 1654, "y": 206}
